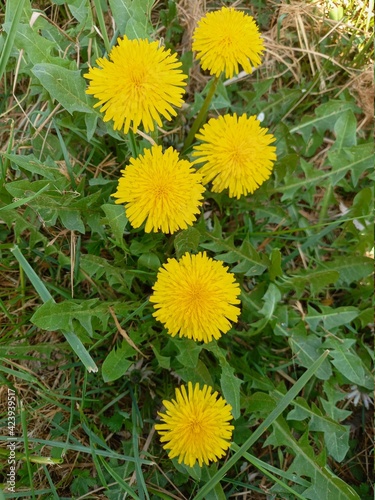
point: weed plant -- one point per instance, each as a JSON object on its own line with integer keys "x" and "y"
{"x": 80, "y": 348}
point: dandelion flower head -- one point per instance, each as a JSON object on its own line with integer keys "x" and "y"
{"x": 225, "y": 39}
{"x": 236, "y": 154}
{"x": 196, "y": 297}
{"x": 137, "y": 84}
{"x": 159, "y": 188}
{"x": 196, "y": 425}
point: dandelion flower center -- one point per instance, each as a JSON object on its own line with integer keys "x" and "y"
{"x": 196, "y": 297}
{"x": 159, "y": 188}
{"x": 160, "y": 191}
{"x": 225, "y": 39}
{"x": 236, "y": 154}
{"x": 195, "y": 426}
{"x": 137, "y": 84}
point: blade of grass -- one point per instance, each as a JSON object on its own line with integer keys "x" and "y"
{"x": 8, "y": 45}
{"x": 284, "y": 403}
{"x": 103, "y": 30}
{"x": 119, "y": 480}
{"x": 80, "y": 448}
{"x": 159, "y": 494}
{"x": 201, "y": 115}
{"x": 17, "y": 374}
{"x": 266, "y": 470}
{"x": 35, "y": 459}
{"x": 72, "y": 410}
{"x": 137, "y": 421}
{"x": 368, "y": 18}
{"x": 53, "y": 489}
{"x": 26, "y": 445}
{"x": 66, "y": 156}
{"x": 23, "y": 201}
{"x": 24, "y": 494}
{"x": 5, "y": 161}
{"x": 44, "y": 294}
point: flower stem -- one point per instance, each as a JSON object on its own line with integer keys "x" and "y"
{"x": 100, "y": 17}
{"x": 201, "y": 115}
{"x": 133, "y": 144}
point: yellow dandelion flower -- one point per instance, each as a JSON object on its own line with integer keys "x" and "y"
{"x": 236, "y": 153}
{"x": 139, "y": 82}
{"x": 195, "y": 297}
{"x": 196, "y": 425}
{"x": 161, "y": 189}
{"x": 225, "y": 39}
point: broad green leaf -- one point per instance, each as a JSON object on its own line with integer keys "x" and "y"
{"x": 334, "y": 395}
{"x": 230, "y": 385}
{"x": 366, "y": 317}
{"x": 250, "y": 262}
{"x": 326, "y": 115}
{"x": 194, "y": 472}
{"x": 260, "y": 402}
{"x": 357, "y": 159}
{"x": 280, "y": 321}
{"x": 189, "y": 352}
{"x": 351, "y": 268}
{"x": 271, "y": 298}
{"x": 117, "y": 362}
{"x": 91, "y": 122}
{"x": 275, "y": 269}
{"x": 336, "y": 436}
{"x": 316, "y": 279}
{"x": 59, "y": 316}
{"x": 121, "y": 13}
{"x": 52, "y": 316}
{"x": 37, "y": 48}
{"x": 116, "y": 219}
{"x": 308, "y": 349}
{"x": 81, "y": 10}
{"x": 48, "y": 170}
{"x": 53, "y": 203}
{"x": 272, "y": 213}
{"x": 186, "y": 241}
{"x": 324, "y": 484}
{"x": 345, "y": 131}
{"x": 348, "y": 363}
{"x": 23, "y": 189}
{"x": 98, "y": 266}
{"x": 163, "y": 361}
{"x": 149, "y": 260}
{"x": 130, "y": 13}
{"x": 331, "y": 318}
{"x": 71, "y": 219}
{"x": 221, "y": 99}
{"x": 65, "y": 85}
{"x": 278, "y": 103}
{"x": 260, "y": 88}
{"x": 199, "y": 374}
{"x": 363, "y": 203}
{"x": 136, "y": 30}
